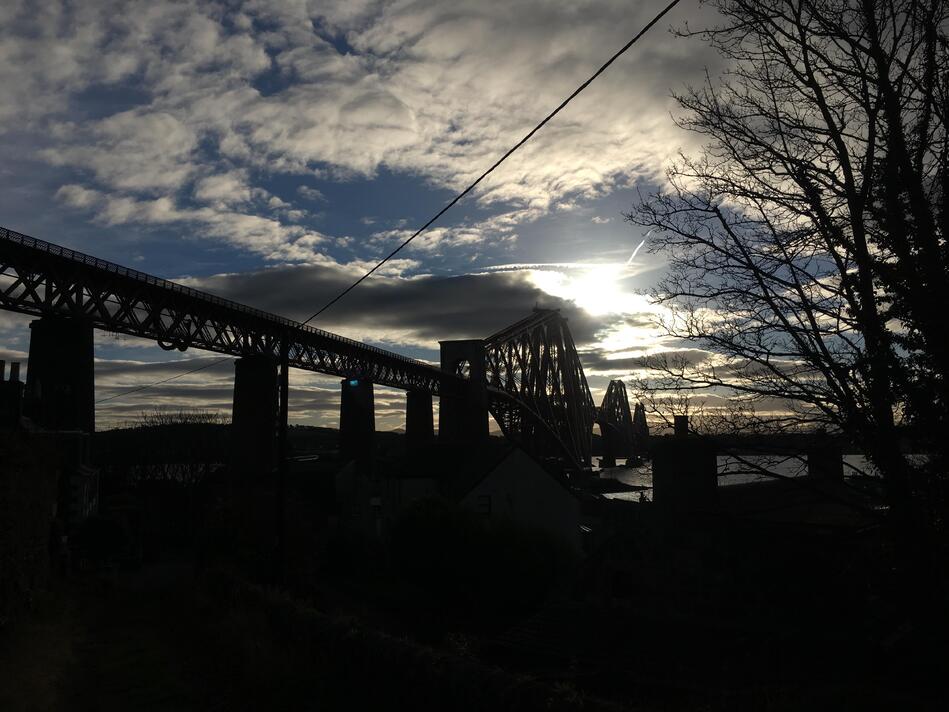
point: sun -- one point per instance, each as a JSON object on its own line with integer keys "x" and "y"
{"x": 598, "y": 289}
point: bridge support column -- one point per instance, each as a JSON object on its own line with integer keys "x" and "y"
{"x": 419, "y": 423}
{"x": 60, "y": 382}
{"x": 357, "y": 419}
{"x": 254, "y": 418}
{"x": 463, "y": 420}
{"x": 610, "y": 445}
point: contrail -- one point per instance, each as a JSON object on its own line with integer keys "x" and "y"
{"x": 636, "y": 251}
{"x": 633, "y": 256}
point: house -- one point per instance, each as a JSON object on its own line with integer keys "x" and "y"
{"x": 517, "y": 488}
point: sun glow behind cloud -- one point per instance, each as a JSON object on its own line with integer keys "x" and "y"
{"x": 604, "y": 291}
{"x": 599, "y": 289}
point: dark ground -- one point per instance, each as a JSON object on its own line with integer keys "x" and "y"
{"x": 140, "y": 641}
{"x": 116, "y": 641}
{"x": 152, "y": 639}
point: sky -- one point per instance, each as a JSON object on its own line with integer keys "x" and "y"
{"x": 271, "y": 152}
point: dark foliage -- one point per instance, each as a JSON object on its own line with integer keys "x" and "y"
{"x": 487, "y": 566}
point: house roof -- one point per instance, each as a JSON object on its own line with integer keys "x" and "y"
{"x": 512, "y": 451}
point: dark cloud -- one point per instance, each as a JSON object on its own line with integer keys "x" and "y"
{"x": 116, "y": 368}
{"x": 425, "y": 309}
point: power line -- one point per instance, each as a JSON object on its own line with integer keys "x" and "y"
{"x": 497, "y": 163}
{"x": 165, "y": 380}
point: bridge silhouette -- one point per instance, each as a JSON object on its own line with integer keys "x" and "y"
{"x": 528, "y": 375}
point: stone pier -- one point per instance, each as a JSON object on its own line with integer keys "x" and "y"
{"x": 254, "y": 418}
{"x": 463, "y": 419}
{"x": 419, "y": 422}
{"x": 357, "y": 419}
{"x": 60, "y": 380}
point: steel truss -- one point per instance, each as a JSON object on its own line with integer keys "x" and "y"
{"x": 44, "y": 279}
{"x": 536, "y": 387}
{"x": 538, "y": 393}
{"x": 640, "y": 430}
{"x": 616, "y": 422}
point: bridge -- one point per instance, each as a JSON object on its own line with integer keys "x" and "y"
{"x": 622, "y": 434}
{"x": 528, "y": 376}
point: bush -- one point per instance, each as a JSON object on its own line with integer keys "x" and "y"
{"x": 286, "y": 655}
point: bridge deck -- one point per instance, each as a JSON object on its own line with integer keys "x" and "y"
{"x": 40, "y": 278}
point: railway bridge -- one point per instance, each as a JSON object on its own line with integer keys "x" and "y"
{"x": 528, "y": 376}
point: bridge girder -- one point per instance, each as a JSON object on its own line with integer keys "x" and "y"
{"x": 538, "y": 393}
{"x": 536, "y": 387}
{"x": 43, "y": 279}
{"x": 616, "y": 423}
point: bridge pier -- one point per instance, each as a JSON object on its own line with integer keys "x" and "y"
{"x": 463, "y": 420}
{"x": 419, "y": 423}
{"x": 254, "y": 418}
{"x": 610, "y": 445}
{"x": 60, "y": 381}
{"x": 357, "y": 418}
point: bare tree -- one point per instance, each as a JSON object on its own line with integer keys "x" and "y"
{"x": 158, "y": 417}
{"x": 175, "y": 445}
{"x": 806, "y": 243}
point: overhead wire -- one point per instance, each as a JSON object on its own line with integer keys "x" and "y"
{"x": 530, "y": 134}
{"x": 215, "y": 362}
{"x": 497, "y": 163}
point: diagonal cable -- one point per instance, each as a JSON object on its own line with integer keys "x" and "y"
{"x": 497, "y": 163}
{"x": 165, "y": 380}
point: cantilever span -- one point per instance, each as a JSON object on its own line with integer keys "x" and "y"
{"x": 531, "y": 381}
{"x": 43, "y": 279}
{"x": 549, "y": 408}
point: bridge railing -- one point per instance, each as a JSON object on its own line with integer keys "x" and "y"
{"x": 89, "y": 260}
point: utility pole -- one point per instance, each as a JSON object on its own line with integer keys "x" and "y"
{"x": 284, "y": 394}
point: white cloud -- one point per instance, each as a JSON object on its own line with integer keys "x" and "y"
{"x": 225, "y": 189}
{"x": 267, "y": 236}
{"x": 311, "y": 193}
{"x": 432, "y": 89}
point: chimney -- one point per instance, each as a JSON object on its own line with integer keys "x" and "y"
{"x": 681, "y": 423}
{"x": 11, "y": 395}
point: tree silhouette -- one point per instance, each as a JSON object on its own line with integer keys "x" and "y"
{"x": 806, "y": 243}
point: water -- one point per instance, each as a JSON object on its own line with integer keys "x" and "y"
{"x": 732, "y": 470}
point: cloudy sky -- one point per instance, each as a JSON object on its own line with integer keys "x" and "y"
{"x": 271, "y": 151}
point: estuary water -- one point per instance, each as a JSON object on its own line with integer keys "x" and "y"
{"x": 732, "y": 470}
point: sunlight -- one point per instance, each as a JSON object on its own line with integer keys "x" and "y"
{"x": 597, "y": 289}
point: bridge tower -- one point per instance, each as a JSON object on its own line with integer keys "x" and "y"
{"x": 357, "y": 418}
{"x": 419, "y": 423}
{"x": 254, "y": 419}
{"x": 616, "y": 426}
{"x": 463, "y": 420}
{"x": 60, "y": 380}
{"x": 640, "y": 431}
